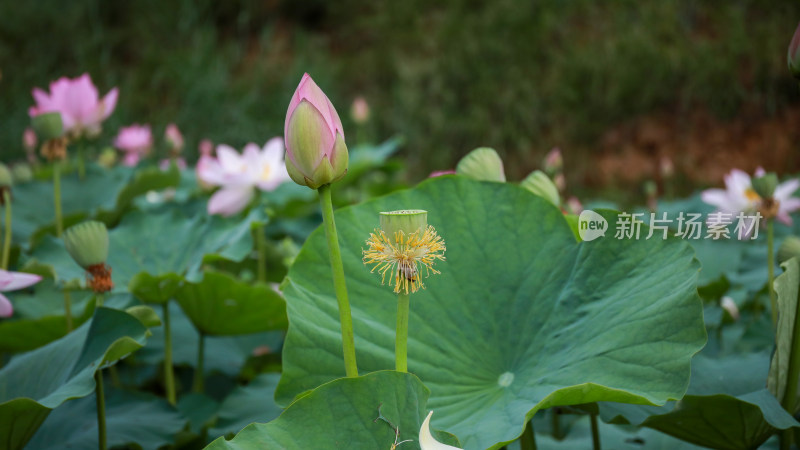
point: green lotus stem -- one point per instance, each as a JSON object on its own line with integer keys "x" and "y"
{"x": 789, "y": 400}
{"x": 556, "y": 423}
{"x": 101, "y": 410}
{"x": 68, "y": 309}
{"x": 7, "y": 239}
{"x": 528, "y": 439}
{"x": 81, "y": 161}
{"x": 98, "y": 300}
{"x": 115, "y": 381}
{"x": 198, "y": 371}
{"x": 169, "y": 377}
{"x": 771, "y": 271}
{"x": 401, "y": 338}
{"x": 57, "y": 197}
{"x": 595, "y": 432}
{"x": 261, "y": 250}
{"x": 348, "y": 339}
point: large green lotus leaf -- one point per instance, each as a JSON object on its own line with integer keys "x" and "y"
{"x": 157, "y": 244}
{"x": 25, "y": 334}
{"x": 248, "y": 404}
{"x": 131, "y": 418}
{"x": 521, "y": 318}
{"x": 726, "y": 405}
{"x": 34, "y": 383}
{"x": 221, "y": 305}
{"x": 342, "y": 415}
{"x": 101, "y": 191}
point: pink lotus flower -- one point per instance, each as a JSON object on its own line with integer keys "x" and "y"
{"x": 136, "y": 141}
{"x": 78, "y": 103}
{"x": 174, "y": 137}
{"x": 739, "y": 196}
{"x": 237, "y": 174}
{"x": 359, "y": 110}
{"x": 12, "y": 281}
{"x": 553, "y": 162}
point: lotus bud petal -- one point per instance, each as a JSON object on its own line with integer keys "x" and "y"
{"x": 87, "y": 243}
{"x": 482, "y": 164}
{"x": 316, "y": 153}
{"x": 793, "y": 55}
{"x": 541, "y": 185}
{"x": 789, "y": 249}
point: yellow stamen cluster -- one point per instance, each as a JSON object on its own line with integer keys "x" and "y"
{"x": 402, "y": 256}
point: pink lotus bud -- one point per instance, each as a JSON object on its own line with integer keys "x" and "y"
{"x": 315, "y": 150}
{"x": 174, "y": 137}
{"x": 136, "y": 141}
{"x": 574, "y": 205}
{"x": 560, "y": 181}
{"x": 794, "y": 53}
{"x": 29, "y": 140}
{"x": 439, "y": 173}
{"x": 359, "y": 110}
{"x": 553, "y": 162}
{"x": 206, "y": 147}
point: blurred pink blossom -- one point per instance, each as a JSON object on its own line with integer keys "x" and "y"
{"x": 166, "y": 162}
{"x": 574, "y": 205}
{"x": 553, "y": 162}
{"x": 12, "y": 281}
{"x": 237, "y": 174}
{"x": 206, "y": 147}
{"x": 739, "y": 196}
{"x": 29, "y": 139}
{"x": 359, "y": 110}
{"x": 174, "y": 137}
{"x": 77, "y": 100}
{"x": 136, "y": 141}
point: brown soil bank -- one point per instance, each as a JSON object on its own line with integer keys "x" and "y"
{"x": 701, "y": 147}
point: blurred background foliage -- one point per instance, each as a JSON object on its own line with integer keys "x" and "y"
{"x": 522, "y": 77}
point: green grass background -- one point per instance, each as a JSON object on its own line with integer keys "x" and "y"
{"x": 450, "y": 75}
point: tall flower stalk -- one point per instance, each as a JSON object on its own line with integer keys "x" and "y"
{"x": 316, "y": 156}
{"x": 87, "y": 243}
{"x": 5, "y": 200}
{"x": 399, "y": 249}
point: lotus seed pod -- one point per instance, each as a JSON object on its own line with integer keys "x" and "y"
{"x": 87, "y": 243}
{"x": 482, "y": 164}
{"x": 6, "y": 180}
{"x": 22, "y": 173}
{"x": 408, "y": 221}
{"x": 789, "y": 248}
{"x": 48, "y": 126}
{"x": 765, "y": 185}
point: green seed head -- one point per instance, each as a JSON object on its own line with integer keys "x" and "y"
{"x": 48, "y": 126}
{"x": 765, "y": 185}
{"x": 6, "y": 180}
{"x": 408, "y": 221}
{"x": 87, "y": 243}
{"x": 22, "y": 173}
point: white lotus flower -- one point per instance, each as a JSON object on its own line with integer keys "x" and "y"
{"x": 426, "y": 439}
